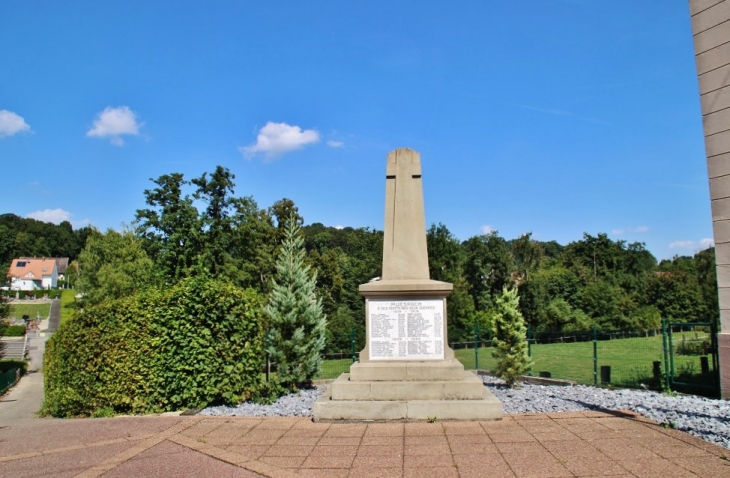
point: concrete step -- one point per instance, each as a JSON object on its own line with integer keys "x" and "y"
{"x": 449, "y": 369}
{"x": 467, "y": 387}
{"x": 14, "y": 349}
{"x": 328, "y": 410}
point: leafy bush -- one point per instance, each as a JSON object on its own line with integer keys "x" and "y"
{"x": 14, "y": 331}
{"x": 198, "y": 343}
{"x": 694, "y": 347}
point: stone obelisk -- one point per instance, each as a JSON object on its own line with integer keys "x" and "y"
{"x": 406, "y": 370}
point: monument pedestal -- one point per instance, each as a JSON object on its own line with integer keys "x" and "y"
{"x": 407, "y": 391}
{"x": 401, "y": 313}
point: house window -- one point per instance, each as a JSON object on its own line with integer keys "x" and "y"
{"x": 21, "y": 263}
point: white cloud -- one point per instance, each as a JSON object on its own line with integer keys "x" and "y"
{"x": 339, "y": 227}
{"x": 81, "y": 223}
{"x": 56, "y": 216}
{"x": 639, "y": 230}
{"x": 335, "y": 144}
{"x": 115, "y": 122}
{"x": 275, "y": 139}
{"x": 487, "y": 229}
{"x": 11, "y": 123}
{"x": 692, "y": 245}
{"x": 682, "y": 245}
{"x": 706, "y": 243}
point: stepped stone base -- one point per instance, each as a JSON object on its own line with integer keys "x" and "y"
{"x": 486, "y": 408}
{"x": 469, "y": 387}
{"x": 407, "y": 391}
{"x": 450, "y": 369}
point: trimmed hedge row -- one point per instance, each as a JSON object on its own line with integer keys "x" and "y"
{"x": 14, "y": 331}
{"x": 196, "y": 344}
{"x": 37, "y": 293}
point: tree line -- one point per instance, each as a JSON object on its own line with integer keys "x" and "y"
{"x": 199, "y": 226}
{"x": 26, "y": 237}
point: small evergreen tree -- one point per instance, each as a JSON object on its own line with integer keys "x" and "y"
{"x": 296, "y": 320}
{"x": 510, "y": 338}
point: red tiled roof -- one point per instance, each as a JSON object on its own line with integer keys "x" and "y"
{"x": 32, "y": 268}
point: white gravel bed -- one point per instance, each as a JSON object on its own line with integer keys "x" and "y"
{"x": 702, "y": 417}
{"x": 292, "y": 405}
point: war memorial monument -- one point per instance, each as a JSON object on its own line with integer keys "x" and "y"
{"x": 407, "y": 371}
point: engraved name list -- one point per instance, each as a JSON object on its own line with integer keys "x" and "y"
{"x": 406, "y": 329}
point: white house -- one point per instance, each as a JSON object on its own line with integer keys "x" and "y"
{"x": 33, "y": 273}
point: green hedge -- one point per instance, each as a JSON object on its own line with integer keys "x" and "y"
{"x": 14, "y": 331}
{"x": 37, "y": 293}
{"x": 8, "y": 364}
{"x": 196, "y": 344}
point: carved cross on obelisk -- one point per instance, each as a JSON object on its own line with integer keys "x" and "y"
{"x": 405, "y": 255}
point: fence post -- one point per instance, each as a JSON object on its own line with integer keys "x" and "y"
{"x": 714, "y": 351}
{"x": 266, "y": 351}
{"x": 670, "y": 348}
{"x": 595, "y": 356}
{"x": 476, "y": 345}
{"x": 666, "y": 355}
{"x": 352, "y": 343}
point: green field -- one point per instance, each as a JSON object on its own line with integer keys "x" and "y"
{"x": 31, "y": 310}
{"x": 68, "y": 304}
{"x": 332, "y": 369}
{"x": 631, "y": 361}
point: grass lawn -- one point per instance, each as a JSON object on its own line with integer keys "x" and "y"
{"x": 68, "y": 304}
{"x": 332, "y": 369}
{"x": 631, "y": 361}
{"x": 31, "y": 310}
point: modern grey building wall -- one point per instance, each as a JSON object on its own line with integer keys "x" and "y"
{"x": 711, "y": 31}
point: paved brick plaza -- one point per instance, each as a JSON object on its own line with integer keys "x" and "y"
{"x": 584, "y": 444}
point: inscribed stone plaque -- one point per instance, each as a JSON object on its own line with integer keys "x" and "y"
{"x": 406, "y": 329}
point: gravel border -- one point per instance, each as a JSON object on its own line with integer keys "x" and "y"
{"x": 702, "y": 417}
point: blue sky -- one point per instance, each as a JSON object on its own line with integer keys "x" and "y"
{"x": 552, "y": 116}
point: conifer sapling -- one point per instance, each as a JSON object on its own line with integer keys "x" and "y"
{"x": 296, "y": 320}
{"x": 510, "y": 338}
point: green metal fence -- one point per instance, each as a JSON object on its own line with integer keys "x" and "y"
{"x": 623, "y": 358}
{"x": 681, "y": 357}
{"x": 691, "y": 357}
{"x": 8, "y": 379}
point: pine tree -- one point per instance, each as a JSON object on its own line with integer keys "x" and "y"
{"x": 296, "y": 320}
{"x": 510, "y": 338}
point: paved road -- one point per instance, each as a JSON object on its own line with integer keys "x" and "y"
{"x": 54, "y": 319}
{"x": 23, "y": 401}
